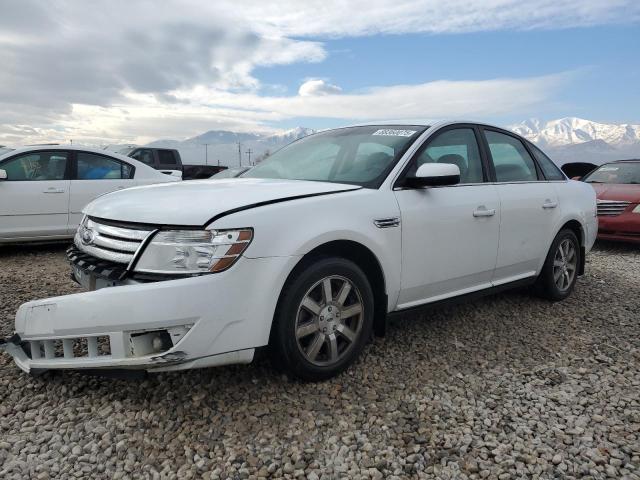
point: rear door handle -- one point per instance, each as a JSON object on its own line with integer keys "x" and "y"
{"x": 482, "y": 211}
{"x": 53, "y": 190}
{"x": 549, "y": 204}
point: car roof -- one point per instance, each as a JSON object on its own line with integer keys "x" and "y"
{"x": 636, "y": 160}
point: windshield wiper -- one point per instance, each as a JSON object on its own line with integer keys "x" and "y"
{"x": 594, "y": 181}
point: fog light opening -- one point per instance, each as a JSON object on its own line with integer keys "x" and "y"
{"x": 148, "y": 343}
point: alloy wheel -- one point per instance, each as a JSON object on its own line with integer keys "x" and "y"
{"x": 565, "y": 263}
{"x": 329, "y": 320}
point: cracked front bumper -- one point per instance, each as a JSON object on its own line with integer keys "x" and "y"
{"x": 203, "y": 321}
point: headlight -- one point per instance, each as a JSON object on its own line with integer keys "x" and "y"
{"x": 194, "y": 251}
{"x": 637, "y": 209}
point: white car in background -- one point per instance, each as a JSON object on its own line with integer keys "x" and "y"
{"x": 309, "y": 251}
{"x": 43, "y": 189}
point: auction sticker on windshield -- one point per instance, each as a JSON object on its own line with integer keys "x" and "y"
{"x": 394, "y": 133}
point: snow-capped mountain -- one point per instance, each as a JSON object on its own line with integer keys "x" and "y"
{"x": 222, "y": 146}
{"x": 574, "y": 139}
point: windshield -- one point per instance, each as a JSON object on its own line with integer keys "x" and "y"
{"x": 620, "y": 172}
{"x": 126, "y": 151}
{"x": 355, "y": 155}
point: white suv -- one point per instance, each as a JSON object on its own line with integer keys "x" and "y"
{"x": 308, "y": 252}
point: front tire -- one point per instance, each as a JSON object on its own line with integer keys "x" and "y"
{"x": 323, "y": 320}
{"x": 560, "y": 270}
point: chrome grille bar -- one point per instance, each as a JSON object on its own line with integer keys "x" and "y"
{"x": 611, "y": 207}
{"x": 117, "y": 244}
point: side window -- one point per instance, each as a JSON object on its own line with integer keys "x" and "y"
{"x": 144, "y": 155}
{"x": 36, "y": 166}
{"x": 166, "y": 157}
{"x": 98, "y": 167}
{"x": 457, "y": 146}
{"x": 550, "y": 169}
{"x": 510, "y": 159}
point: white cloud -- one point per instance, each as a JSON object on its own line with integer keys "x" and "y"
{"x": 143, "y": 117}
{"x": 366, "y": 17}
{"x": 315, "y": 87}
{"x": 136, "y": 70}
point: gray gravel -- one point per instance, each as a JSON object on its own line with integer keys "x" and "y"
{"x": 506, "y": 387}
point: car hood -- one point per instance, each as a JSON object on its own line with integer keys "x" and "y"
{"x": 196, "y": 202}
{"x": 617, "y": 191}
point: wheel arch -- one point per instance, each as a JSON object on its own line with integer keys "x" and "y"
{"x": 576, "y": 227}
{"x": 365, "y": 259}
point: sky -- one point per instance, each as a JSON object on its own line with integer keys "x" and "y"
{"x": 134, "y": 71}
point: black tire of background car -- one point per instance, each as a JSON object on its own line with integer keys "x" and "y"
{"x": 283, "y": 346}
{"x": 545, "y": 285}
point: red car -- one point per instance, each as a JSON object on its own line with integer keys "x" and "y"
{"x": 617, "y": 187}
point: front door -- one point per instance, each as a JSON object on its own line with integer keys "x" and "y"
{"x": 34, "y": 198}
{"x": 449, "y": 234}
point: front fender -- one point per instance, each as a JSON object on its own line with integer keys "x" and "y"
{"x": 298, "y": 226}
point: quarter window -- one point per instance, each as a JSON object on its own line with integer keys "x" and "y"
{"x": 550, "y": 170}
{"x": 98, "y": 167}
{"x": 36, "y": 166}
{"x": 511, "y": 160}
{"x": 457, "y": 146}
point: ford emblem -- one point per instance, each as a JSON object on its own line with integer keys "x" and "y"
{"x": 87, "y": 236}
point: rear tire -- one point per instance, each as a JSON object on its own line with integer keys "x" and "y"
{"x": 323, "y": 320}
{"x": 560, "y": 270}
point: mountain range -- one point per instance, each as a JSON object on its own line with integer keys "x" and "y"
{"x": 574, "y": 139}
{"x": 231, "y": 148}
{"x": 565, "y": 140}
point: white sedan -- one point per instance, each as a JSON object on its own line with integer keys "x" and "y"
{"x": 43, "y": 189}
{"x": 307, "y": 253}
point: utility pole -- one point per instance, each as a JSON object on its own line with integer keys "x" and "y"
{"x": 249, "y": 155}
{"x": 240, "y": 153}
{"x": 71, "y": 141}
{"x": 206, "y": 153}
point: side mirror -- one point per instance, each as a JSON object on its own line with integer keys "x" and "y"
{"x": 3, "y": 174}
{"x": 433, "y": 175}
{"x": 578, "y": 178}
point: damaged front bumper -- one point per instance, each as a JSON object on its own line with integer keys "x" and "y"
{"x": 193, "y": 322}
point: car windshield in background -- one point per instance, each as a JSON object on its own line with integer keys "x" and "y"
{"x": 126, "y": 151}
{"x": 355, "y": 155}
{"x": 620, "y": 172}
{"x": 229, "y": 173}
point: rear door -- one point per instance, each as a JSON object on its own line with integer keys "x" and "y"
{"x": 528, "y": 205}
{"x": 449, "y": 233}
{"x": 94, "y": 175}
{"x": 34, "y": 198}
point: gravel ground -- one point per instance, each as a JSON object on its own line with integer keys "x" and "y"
{"x": 507, "y": 387}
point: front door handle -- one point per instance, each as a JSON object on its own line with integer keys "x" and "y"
{"x": 53, "y": 190}
{"x": 549, "y": 204}
{"x": 482, "y": 211}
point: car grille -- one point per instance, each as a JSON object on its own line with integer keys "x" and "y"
{"x": 114, "y": 242}
{"x": 96, "y": 266}
{"x": 80, "y": 347}
{"x": 611, "y": 208}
